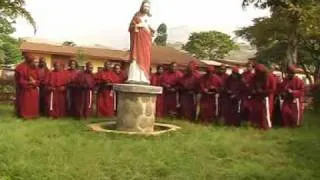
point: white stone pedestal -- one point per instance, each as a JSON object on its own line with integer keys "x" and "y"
{"x": 136, "y": 107}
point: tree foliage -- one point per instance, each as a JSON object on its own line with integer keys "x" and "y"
{"x": 294, "y": 17}
{"x": 81, "y": 58}
{"x": 210, "y": 45}
{"x": 161, "y": 39}
{"x": 11, "y": 9}
{"x": 9, "y": 50}
{"x": 9, "y": 47}
{"x": 6, "y": 26}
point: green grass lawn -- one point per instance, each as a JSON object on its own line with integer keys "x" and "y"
{"x": 66, "y": 149}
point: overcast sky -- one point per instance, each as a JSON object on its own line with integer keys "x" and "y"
{"x": 106, "y": 21}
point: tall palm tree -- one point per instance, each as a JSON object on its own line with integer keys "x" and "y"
{"x": 11, "y": 9}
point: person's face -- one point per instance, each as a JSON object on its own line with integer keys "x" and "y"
{"x": 56, "y": 66}
{"x": 290, "y": 75}
{"x": 188, "y": 70}
{"x": 89, "y": 67}
{"x": 160, "y": 70}
{"x": 222, "y": 70}
{"x": 35, "y": 63}
{"x": 173, "y": 67}
{"x": 73, "y": 65}
{"x": 234, "y": 74}
{"x": 146, "y": 8}
{"x": 42, "y": 64}
{"x": 117, "y": 69}
{"x": 249, "y": 67}
{"x": 107, "y": 66}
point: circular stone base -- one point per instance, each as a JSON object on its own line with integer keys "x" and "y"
{"x": 110, "y": 127}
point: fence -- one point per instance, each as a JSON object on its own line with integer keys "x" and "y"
{"x": 7, "y": 86}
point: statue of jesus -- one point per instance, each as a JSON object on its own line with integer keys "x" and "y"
{"x": 140, "y": 45}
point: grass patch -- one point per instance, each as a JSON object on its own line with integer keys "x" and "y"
{"x": 66, "y": 149}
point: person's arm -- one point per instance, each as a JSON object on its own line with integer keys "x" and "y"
{"x": 135, "y": 24}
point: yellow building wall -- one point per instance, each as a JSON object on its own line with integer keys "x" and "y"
{"x": 96, "y": 64}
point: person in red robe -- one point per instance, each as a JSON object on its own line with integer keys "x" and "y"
{"x": 105, "y": 97}
{"x": 188, "y": 88}
{"x": 292, "y": 92}
{"x": 140, "y": 45}
{"x": 121, "y": 75}
{"x": 210, "y": 85}
{"x": 56, "y": 86}
{"x": 170, "y": 90}
{"x": 276, "y": 117}
{"x": 19, "y": 70}
{"x": 85, "y": 83}
{"x": 263, "y": 87}
{"x": 156, "y": 80}
{"x": 28, "y": 81}
{"x": 223, "y": 95}
{"x": 72, "y": 91}
{"x": 233, "y": 87}
{"x": 246, "y": 98}
{"x": 43, "y": 71}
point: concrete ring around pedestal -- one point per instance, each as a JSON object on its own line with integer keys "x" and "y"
{"x": 102, "y": 127}
{"x": 137, "y": 88}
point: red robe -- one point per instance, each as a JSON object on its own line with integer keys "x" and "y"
{"x": 188, "y": 87}
{"x": 156, "y": 80}
{"x": 209, "y": 103}
{"x": 56, "y": 87}
{"x": 105, "y": 96}
{"x": 170, "y": 92}
{"x": 20, "y": 69}
{"x": 232, "y": 103}
{"x": 85, "y": 84}
{"x": 261, "y": 111}
{"x": 223, "y": 96}
{"x": 72, "y": 92}
{"x": 246, "y": 95}
{"x": 121, "y": 77}
{"x": 43, "y": 73}
{"x": 292, "y": 107}
{"x": 28, "y": 100}
{"x": 140, "y": 44}
{"x": 276, "y": 115}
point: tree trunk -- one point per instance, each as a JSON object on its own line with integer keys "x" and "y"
{"x": 307, "y": 73}
{"x": 292, "y": 49}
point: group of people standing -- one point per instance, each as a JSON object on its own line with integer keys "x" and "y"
{"x": 257, "y": 95}
{"x": 59, "y": 92}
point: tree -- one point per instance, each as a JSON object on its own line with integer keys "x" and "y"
{"x": 10, "y": 10}
{"x": 161, "y": 39}
{"x": 9, "y": 50}
{"x": 296, "y": 13}
{"x": 210, "y": 45}
{"x": 69, "y": 43}
{"x": 270, "y": 36}
{"x": 81, "y": 57}
{"x": 6, "y": 26}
